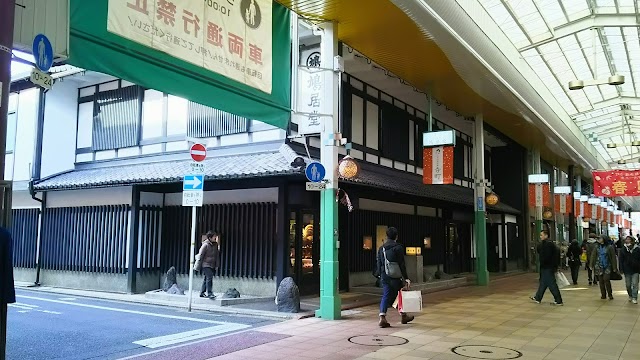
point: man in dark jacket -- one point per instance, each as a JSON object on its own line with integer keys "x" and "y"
{"x": 7, "y": 290}
{"x": 630, "y": 266}
{"x": 549, "y": 256}
{"x": 592, "y": 244}
{"x": 391, "y": 254}
{"x": 573, "y": 253}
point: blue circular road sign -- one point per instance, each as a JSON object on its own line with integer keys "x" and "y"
{"x": 42, "y": 52}
{"x": 315, "y": 172}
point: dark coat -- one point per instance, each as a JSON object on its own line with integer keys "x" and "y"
{"x": 209, "y": 254}
{"x": 395, "y": 253}
{"x": 7, "y": 289}
{"x": 630, "y": 260}
{"x": 549, "y": 255}
{"x": 574, "y": 252}
{"x": 611, "y": 256}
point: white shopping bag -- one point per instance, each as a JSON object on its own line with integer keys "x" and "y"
{"x": 409, "y": 301}
{"x": 561, "y": 280}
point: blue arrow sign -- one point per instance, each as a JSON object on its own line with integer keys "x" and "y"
{"x": 315, "y": 172}
{"x": 193, "y": 183}
{"x": 42, "y": 52}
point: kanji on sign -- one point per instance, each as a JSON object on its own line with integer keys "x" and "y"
{"x": 190, "y": 18}
{"x": 214, "y": 34}
{"x": 166, "y": 11}
{"x": 314, "y": 101}
{"x": 619, "y": 187}
{"x": 236, "y": 44}
{"x": 140, "y": 6}
{"x": 315, "y": 82}
{"x": 314, "y": 119}
{"x": 255, "y": 54}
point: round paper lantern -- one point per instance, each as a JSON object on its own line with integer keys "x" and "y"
{"x": 492, "y": 199}
{"x": 348, "y": 168}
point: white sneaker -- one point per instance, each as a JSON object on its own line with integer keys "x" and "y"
{"x": 630, "y": 299}
{"x": 634, "y": 301}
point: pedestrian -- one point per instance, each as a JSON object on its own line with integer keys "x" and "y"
{"x": 630, "y": 267}
{"x": 393, "y": 275}
{"x": 573, "y": 253}
{"x": 549, "y": 257}
{"x": 7, "y": 289}
{"x": 604, "y": 262}
{"x": 209, "y": 256}
{"x": 592, "y": 244}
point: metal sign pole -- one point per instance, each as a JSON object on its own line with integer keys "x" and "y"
{"x": 192, "y": 254}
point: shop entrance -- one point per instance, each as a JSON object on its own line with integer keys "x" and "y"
{"x": 304, "y": 250}
{"x": 457, "y": 250}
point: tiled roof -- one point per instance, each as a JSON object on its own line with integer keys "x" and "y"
{"x": 398, "y": 181}
{"x": 277, "y": 162}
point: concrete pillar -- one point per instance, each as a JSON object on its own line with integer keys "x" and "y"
{"x": 537, "y": 169}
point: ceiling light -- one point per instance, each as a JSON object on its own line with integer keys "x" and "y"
{"x": 576, "y": 85}
{"x": 611, "y": 146}
{"x": 635, "y": 143}
{"x": 616, "y": 80}
{"x": 622, "y": 162}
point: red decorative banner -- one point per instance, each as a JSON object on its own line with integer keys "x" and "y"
{"x": 539, "y": 195}
{"x": 610, "y": 217}
{"x": 563, "y": 203}
{"x": 437, "y": 165}
{"x": 616, "y": 183}
{"x": 577, "y": 208}
{"x": 619, "y": 220}
{"x": 586, "y": 211}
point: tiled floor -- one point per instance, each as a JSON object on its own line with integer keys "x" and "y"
{"x": 501, "y": 315}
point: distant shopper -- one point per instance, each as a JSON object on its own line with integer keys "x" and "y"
{"x": 592, "y": 244}
{"x": 573, "y": 254}
{"x": 630, "y": 267}
{"x": 604, "y": 262}
{"x": 210, "y": 257}
{"x": 393, "y": 275}
{"x": 549, "y": 256}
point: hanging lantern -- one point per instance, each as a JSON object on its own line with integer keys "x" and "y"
{"x": 492, "y": 199}
{"x": 547, "y": 214}
{"x": 348, "y": 168}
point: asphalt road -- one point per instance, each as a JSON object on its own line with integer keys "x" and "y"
{"x": 52, "y": 326}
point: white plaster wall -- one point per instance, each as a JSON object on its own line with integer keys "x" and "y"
{"x": 59, "y": 133}
{"x": 90, "y": 197}
{"x": 23, "y": 200}
{"x": 229, "y": 196}
{"x": 25, "y": 135}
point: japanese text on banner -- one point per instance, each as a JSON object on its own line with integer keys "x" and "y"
{"x": 313, "y": 99}
{"x": 616, "y": 183}
{"x": 229, "y": 37}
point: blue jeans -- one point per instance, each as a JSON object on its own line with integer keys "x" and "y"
{"x": 548, "y": 280}
{"x": 631, "y": 281}
{"x": 390, "y": 288}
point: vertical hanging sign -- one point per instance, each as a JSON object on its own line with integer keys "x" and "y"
{"x": 539, "y": 195}
{"x": 438, "y": 165}
{"x": 314, "y": 85}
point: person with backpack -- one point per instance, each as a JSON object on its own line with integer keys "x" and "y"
{"x": 630, "y": 267}
{"x": 393, "y": 275}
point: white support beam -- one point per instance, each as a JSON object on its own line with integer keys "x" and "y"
{"x": 586, "y": 23}
{"x": 624, "y": 100}
{"x": 617, "y": 132}
{"x": 614, "y": 115}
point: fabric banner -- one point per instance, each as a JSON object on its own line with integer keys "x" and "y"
{"x": 616, "y": 183}
{"x": 587, "y": 214}
{"x": 563, "y": 203}
{"x": 438, "y": 165}
{"x": 539, "y": 195}
{"x": 147, "y": 58}
{"x": 231, "y": 38}
{"x": 578, "y": 208}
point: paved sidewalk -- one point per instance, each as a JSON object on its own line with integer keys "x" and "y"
{"x": 500, "y": 316}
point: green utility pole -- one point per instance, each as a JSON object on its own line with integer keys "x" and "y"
{"x": 330, "y": 302}
{"x": 480, "y": 228}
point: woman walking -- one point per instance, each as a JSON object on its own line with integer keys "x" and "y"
{"x": 573, "y": 253}
{"x": 630, "y": 266}
{"x": 604, "y": 262}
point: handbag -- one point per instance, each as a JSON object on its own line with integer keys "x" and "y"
{"x": 409, "y": 301}
{"x": 616, "y": 276}
{"x": 561, "y": 280}
{"x": 197, "y": 266}
{"x": 392, "y": 269}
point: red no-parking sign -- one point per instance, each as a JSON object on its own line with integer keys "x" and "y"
{"x": 198, "y": 152}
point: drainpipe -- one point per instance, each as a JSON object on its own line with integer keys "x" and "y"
{"x": 35, "y": 176}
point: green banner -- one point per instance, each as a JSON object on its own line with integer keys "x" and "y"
{"x": 92, "y": 47}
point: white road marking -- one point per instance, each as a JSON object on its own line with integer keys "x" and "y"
{"x": 161, "y": 341}
{"x": 67, "y": 299}
{"x": 123, "y": 310}
{"x": 21, "y": 306}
